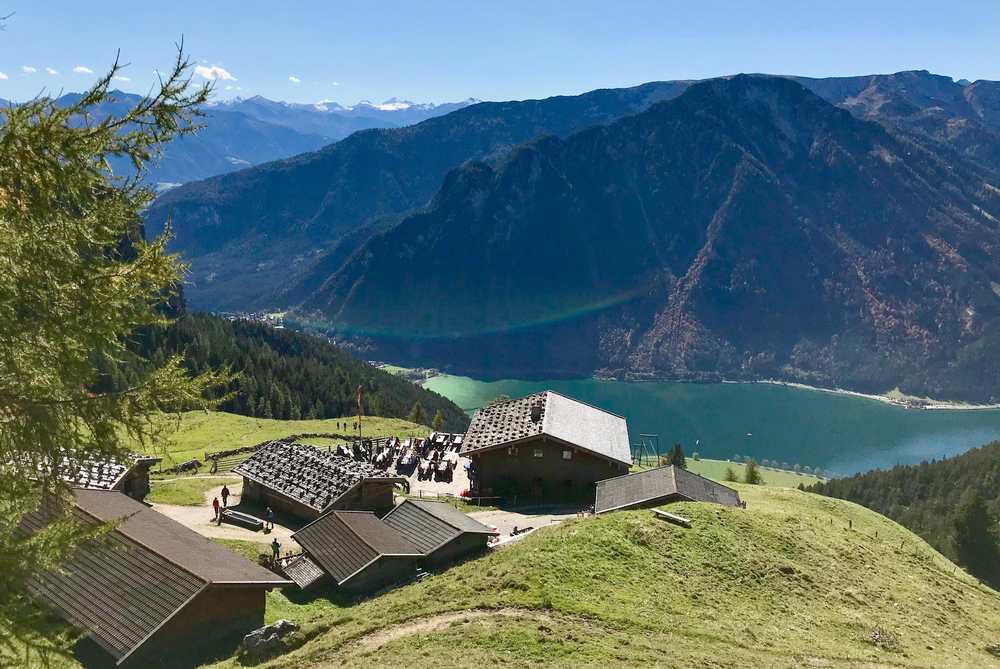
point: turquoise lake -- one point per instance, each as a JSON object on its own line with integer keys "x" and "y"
{"x": 840, "y": 433}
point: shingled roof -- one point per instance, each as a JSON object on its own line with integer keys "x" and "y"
{"x": 548, "y": 413}
{"x": 651, "y": 486}
{"x": 98, "y": 474}
{"x": 124, "y": 586}
{"x": 307, "y": 474}
{"x": 343, "y": 543}
{"x": 430, "y": 525}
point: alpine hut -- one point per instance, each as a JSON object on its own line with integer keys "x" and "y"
{"x": 545, "y": 446}
{"x": 306, "y": 481}
{"x": 442, "y": 533}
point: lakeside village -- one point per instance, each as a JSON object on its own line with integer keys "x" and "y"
{"x": 346, "y": 520}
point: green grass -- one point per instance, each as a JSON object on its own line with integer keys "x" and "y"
{"x": 185, "y": 491}
{"x": 716, "y": 470}
{"x": 794, "y": 580}
{"x": 198, "y": 432}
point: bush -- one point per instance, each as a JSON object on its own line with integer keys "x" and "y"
{"x": 730, "y": 475}
{"x": 752, "y": 473}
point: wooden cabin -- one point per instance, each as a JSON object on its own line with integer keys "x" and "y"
{"x": 545, "y": 447}
{"x": 442, "y": 533}
{"x": 306, "y": 481}
{"x": 151, "y": 586}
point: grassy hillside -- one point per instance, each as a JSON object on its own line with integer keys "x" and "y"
{"x": 794, "y": 580}
{"x": 198, "y": 432}
{"x": 716, "y": 470}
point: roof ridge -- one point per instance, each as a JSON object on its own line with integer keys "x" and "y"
{"x": 588, "y": 404}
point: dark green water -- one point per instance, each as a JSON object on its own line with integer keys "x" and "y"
{"x": 841, "y": 433}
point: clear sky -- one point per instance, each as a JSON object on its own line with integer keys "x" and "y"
{"x": 425, "y": 50}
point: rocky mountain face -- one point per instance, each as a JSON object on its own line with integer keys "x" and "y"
{"x": 253, "y": 234}
{"x": 746, "y": 229}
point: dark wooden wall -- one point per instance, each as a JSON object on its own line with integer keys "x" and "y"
{"x": 508, "y": 471}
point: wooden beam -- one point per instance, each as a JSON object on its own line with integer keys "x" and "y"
{"x": 671, "y": 518}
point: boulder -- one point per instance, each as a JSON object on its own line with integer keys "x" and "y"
{"x": 267, "y": 641}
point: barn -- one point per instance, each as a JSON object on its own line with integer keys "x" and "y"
{"x": 355, "y": 549}
{"x": 150, "y": 583}
{"x": 660, "y": 486}
{"x": 305, "y": 481}
{"x": 545, "y": 447}
{"x": 441, "y": 532}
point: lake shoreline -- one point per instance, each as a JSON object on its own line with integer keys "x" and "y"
{"x": 902, "y": 401}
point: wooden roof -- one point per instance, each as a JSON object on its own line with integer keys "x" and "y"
{"x": 551, "y": 414}
{"x": 306, "y": 474}
{"x": 631, "y": 490}
{"x": 124, "y": 586}
{"x": 343, "y": 543}
{"x": 304, "y": 571}
{"x": 430, "y": 525}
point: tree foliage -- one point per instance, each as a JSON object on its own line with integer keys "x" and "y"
{"x": 417, "y": 414}
{"x": 928, "y": 498}
{"x": 285, "y": 374}
{"x": 751, "y": 474}
{"x": 78, "y": 281}
{"x": 677, "y": 456}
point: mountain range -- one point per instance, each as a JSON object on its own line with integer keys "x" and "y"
{"x": 241, "y": 133}
{"x": 834, "y": 231}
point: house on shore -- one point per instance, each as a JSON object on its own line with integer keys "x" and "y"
{"x": 306, "y": 481}
{"x": 442, "y": 533}
{"x": 545, "y": 447}
{"x": 355, "y": 550}
{"x": 150, "y": 585}
{"x": 660, "y": 486}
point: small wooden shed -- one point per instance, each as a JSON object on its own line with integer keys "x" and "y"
{"x": 355, "y": 549}
{"x": 660, "y": 486}
{"x": 441, "y": 532}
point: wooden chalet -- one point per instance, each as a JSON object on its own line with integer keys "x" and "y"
{"x": 545, "y": 446}
{"x": 150, "y": 586}
{"x": 306, "y": 481}
{"x": 660, "y": 486}
{"x": 442, "y": 533}
{"x": 130, "y": 478}
{"x": 354, "y": 549}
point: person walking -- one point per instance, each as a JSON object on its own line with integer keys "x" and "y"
{"x": 225, "y": 497}
{"x": 215, "y": 507}
{"x": 275, "y": 550}
{"x": 269, "y": 518}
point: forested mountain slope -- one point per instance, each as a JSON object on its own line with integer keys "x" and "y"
{"x": 745, "y": 229}
{"x": 288, "y": 375}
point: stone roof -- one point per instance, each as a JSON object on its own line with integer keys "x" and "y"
{"x": 549, "y": 413}
{"x": 99, "y": 475}
{"x": 306, "y": 474}
{"x": 656, "y": 485}
{"x": 122, "y": 587}
{"x": 430, "y": 525}
{"x": 344, "y": 543}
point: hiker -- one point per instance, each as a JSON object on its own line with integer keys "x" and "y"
{"x": 225, "y": 496}
{"x": 215, "y": 507}
{"x": 275, "y": 549}
{"x": 269, "y": 518}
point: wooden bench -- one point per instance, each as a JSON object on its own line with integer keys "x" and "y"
{"x": 242, "y": 520}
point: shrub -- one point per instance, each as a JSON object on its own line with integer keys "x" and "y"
{"x": 730, "y": 475}
{"x": 752, "y": 473}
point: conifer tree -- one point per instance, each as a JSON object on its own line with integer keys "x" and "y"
{"x": 417, "y": 414}
{"x": 752, "y": 473}
{"x": 79, "y": 282}
{"x": 677, "y": 456}
{"x": 438, "y": 421}
{"x": 976, "y": 541}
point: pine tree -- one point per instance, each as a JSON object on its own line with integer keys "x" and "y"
{"x": 417, "y": 414}
{"x": 730, "y": 475}
{"x": 677, "y": 458}
{"x": 976, "y": 541}
{"x": 438, "y": 421}
{"x": 752, "y": 473}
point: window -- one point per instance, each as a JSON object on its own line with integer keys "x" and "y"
{"x": 567, "y": 454}
{"x": 512, "y": 450}
{"x": 538, "y": 452}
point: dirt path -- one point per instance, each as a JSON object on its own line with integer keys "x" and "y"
{"x": 439, "y": 622}
{"x": 505, "y": 521}
{"x": 200, "y": 519}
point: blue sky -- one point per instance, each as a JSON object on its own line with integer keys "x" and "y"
{"x": 441, "y": 51}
